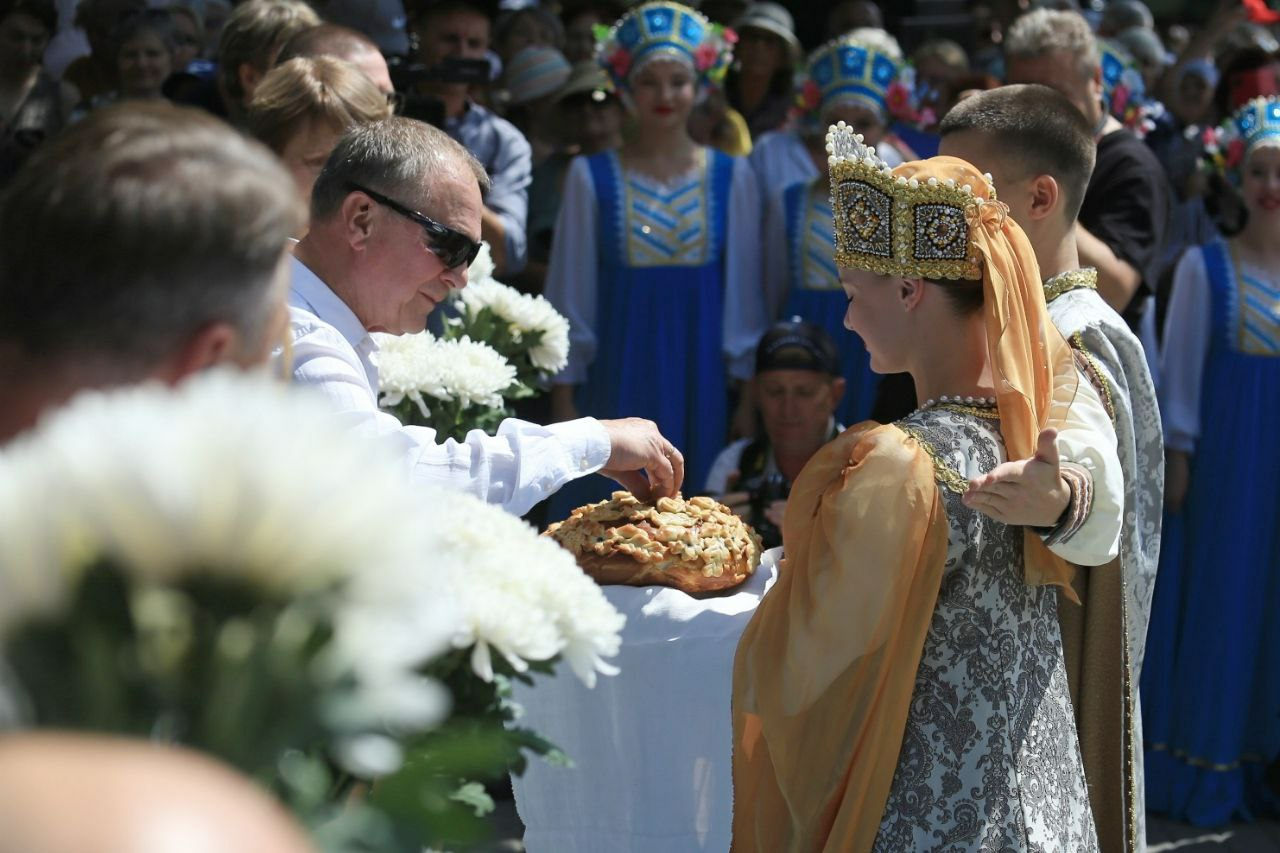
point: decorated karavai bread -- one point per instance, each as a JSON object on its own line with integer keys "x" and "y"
{"x": 695, "y": 545}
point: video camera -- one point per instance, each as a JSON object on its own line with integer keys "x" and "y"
{"x": 415, "y": 105}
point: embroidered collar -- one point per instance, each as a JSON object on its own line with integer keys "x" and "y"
{"x": 1065, "y": 282}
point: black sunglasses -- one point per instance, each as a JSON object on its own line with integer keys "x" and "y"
{"x": 453, "y": 248}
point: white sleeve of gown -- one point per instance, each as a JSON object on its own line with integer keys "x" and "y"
{"x": 572, "y": 284}
{"x": 1182, "y": 357}
{"x": 1088, "y": 438}
{"x": 746, "y": 317}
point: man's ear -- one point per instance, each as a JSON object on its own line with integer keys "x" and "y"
{"x": 1095, "y": 84}
{"x": 357, "y": 219}
{"x": 1046, "y": 197}
{"x": 214, "y": 344}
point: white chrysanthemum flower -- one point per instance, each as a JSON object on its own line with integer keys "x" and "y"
{"x": 528, "y": 609}
{"x": 246, "y": 478}
{"x": 226, "y": 471}
{"x": 411, "y": 366}
{"x": 524, "y": 314}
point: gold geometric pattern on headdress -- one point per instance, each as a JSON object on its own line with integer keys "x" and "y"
{"x": 895, "y": 225}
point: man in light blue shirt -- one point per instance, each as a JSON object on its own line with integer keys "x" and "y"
{"x": 459, "y": 29}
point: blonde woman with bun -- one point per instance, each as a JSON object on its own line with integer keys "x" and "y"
{"x": 304, "y": 106}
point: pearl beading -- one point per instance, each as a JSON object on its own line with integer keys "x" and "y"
{"x": 957, "y": 400}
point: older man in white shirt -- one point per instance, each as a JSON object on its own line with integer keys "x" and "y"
{"x": 395, "y": 222}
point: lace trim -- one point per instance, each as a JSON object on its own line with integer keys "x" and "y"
{"x": 1065, "y": 282}
{"x": 1078, "y": 508}
{"x": 946, "y": 475}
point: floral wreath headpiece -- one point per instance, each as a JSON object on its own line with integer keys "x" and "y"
{"x": 899, "y": 226}
{"x": 1123, "y": 91}
{"x": 665, "y": 30}
{"x": 1226, "y": 147}
{"x": 846, "y": 69}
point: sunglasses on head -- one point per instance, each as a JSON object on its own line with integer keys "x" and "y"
{"x": 453, "y": 248}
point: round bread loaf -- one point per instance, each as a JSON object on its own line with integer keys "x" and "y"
{"x": 697, "y": 546}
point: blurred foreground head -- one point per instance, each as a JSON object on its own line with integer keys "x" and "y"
{"x": 63, "y": 793}
{"x": 146, "y": 242}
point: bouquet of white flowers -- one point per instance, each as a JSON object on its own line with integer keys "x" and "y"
{"x": 527, "y": 330}
{"x": 222, "y": 566}
{"x": 498, "y": 345}
{"x": 452, "y": 386}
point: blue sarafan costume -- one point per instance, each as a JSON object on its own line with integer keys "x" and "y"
{"x": 660, "y": 280}
{"x": 800, "y": 270}
{"x": 1211, "y": 681}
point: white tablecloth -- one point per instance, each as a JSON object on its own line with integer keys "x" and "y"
{"x": 652, "y": 746}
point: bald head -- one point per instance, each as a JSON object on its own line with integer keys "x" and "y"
{"x": 63, "y": 793}
{"x": 342, "y": 43}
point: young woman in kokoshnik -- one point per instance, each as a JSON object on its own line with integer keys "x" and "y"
{"x": 903, "y": 686}
{"x": 1211, "y": 679}
{"x": 656, "y": 255}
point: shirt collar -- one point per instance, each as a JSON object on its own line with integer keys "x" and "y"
{"x": 306, "y": 287}
{"x": 473, "y": 116}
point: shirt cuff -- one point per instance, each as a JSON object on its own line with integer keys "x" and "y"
{"x": 1080, "y": 480}
{"x": 586, "y": 442}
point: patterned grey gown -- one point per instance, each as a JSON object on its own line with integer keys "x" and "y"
{"x": 989, "y": 759}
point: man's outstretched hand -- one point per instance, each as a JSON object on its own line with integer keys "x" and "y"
{"x": 635, "y": 446}
{"x": 1028, "y": 492}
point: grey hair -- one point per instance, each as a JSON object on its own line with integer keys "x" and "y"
{"x": 1046, "y": 30}
{"x": 398, "y": 157}
{"x": 136, "y": 228}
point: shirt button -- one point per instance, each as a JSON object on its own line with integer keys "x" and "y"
{"x": 584, "y": 463}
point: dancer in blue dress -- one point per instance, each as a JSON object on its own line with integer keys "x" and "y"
{"x": 847, "y": 80}
{"x": 1211, "y": 681}
{"x": 656, "y": 259}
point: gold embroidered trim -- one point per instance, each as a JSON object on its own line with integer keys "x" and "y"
{"x": 1130, "y": 752}
{"x": 899, "y": 226}
{"x": 1187, "y": 758}
{"x": 1085, "y": 278}
{"x": 1090, "y": 367}
{"x": 987, "y": 412}
{"x": 947, "y": 476}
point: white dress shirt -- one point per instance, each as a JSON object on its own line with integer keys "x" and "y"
{"x": 521, "y": 465}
